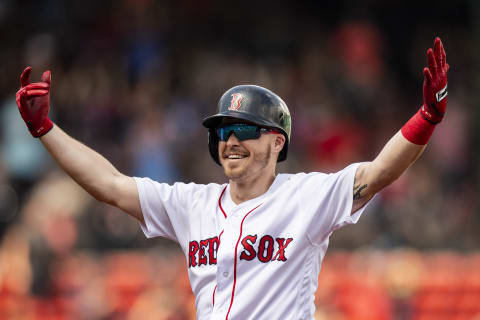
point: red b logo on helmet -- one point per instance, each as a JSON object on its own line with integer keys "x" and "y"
{"x": 236, "y": 101}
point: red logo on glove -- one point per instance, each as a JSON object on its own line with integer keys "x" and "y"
{"x": 236, "y": 101}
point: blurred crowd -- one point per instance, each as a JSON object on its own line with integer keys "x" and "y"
{"x": 364, "y": 284}
{"x": 134, "y": 78}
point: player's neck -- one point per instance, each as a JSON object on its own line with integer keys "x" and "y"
{"x": 249, "y": 188}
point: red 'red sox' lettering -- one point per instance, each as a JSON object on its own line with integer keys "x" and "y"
{"x": 192, "y": 250}
{"x": 202, "y": 258}
{"x": 213, "y": 244}
{"x": 281, "y": 249}
{"x": 266, "y": 247}
{"x": 204, "y": 252}
{"x": 249, "y": 253}
{"x": 199, "y": 249}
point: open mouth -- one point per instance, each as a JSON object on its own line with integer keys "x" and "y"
{"x": 235, "y": 156}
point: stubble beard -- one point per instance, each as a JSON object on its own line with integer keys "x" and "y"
{"x": 260, "y": 162}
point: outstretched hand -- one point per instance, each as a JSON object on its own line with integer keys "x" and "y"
{"x": 33, "y": 101}
{"x": 435, "y": 84}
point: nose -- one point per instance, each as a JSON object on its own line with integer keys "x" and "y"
{"x": 232, "y": 140}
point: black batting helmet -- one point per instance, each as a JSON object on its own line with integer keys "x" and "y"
{"x": 253, "y": 104}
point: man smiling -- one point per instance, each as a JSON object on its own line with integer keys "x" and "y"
{"x": 253, "y": 126}
{"x": 254, "y": 245}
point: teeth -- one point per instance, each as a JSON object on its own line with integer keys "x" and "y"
{"x": 235, "y": 156}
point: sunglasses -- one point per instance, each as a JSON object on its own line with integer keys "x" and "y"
{"x": 242, "y": 131}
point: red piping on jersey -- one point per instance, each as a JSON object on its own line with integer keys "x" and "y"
{"x": 220, "y": 202}
{"x": 235, "y": 261}
{"x": 213, "y": 298}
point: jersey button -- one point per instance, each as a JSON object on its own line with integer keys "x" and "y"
{"x": 225, "y": 274}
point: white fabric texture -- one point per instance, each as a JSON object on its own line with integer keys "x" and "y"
{"x": 259, "y": 259}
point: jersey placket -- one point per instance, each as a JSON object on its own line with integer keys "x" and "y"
{"x": 227, "y": 260}
{"x": 225, "y": 265}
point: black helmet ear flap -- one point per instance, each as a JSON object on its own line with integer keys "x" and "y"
{"x": 213, "y": 145}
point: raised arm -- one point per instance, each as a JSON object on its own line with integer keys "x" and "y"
{"x": 88, "y": 168}
{"x": 408, "y": 144}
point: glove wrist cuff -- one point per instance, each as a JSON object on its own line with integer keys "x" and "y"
{"x": 431, "y": 113}
{"x": 418, "y": 129}
{"x": 42, "y": 129}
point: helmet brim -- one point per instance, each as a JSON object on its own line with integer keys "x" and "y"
{"x": 214, "y": 121}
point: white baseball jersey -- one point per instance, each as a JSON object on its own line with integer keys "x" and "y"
{"x": 259, "y": 259}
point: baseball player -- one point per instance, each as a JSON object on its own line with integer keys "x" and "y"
{"x": 254, "y": 246}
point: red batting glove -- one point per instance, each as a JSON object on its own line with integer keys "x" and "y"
{"x": 33, "y": 101}
{"x": 435, "y": 84}
{"x": 420, "y": 127}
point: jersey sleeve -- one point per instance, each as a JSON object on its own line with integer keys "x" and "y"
{"x": 326, "y": 201}
{"x": 164, "y": 207}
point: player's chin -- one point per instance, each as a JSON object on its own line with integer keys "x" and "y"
{"x": 234, "y": 175}
{"x": 234, "y": 168}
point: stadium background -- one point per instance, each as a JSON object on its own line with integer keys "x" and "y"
{"x": 133, "y": 79}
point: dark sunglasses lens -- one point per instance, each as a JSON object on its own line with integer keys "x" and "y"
{"x": 242, "y": 132}
{"x": 223, "y": 134}
{"x": 247, "y": 132}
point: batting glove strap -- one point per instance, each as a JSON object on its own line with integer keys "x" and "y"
{"x": 418, "y": 130}
{"x": 42, "y": 129}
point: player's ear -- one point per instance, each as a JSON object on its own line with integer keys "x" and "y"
{"x": 278, "y": 143}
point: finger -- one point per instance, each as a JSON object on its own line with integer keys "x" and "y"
{"x": 36, "y": 93}
{"x": 432, "y": 64}
{"x": 444, "y": 55}
{"x": 18, "y": 95}
{"x": 21, "y": 98}
{"x": 47, "y": 76}
{"x": 37, "y": 85}
{"x": 438, "y": 51}
{"x": 439, "y": 54}
{"x": 427, "y": 76}
{"x": 25, "y": 77}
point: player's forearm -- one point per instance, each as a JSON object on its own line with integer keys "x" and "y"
{"x": 408, "y": 144}
{"x": 88, "y": 168}
{"x": 397, "y": 155}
